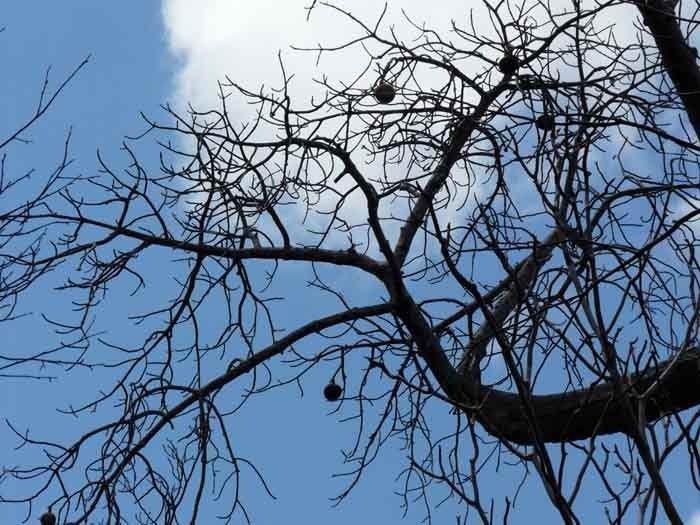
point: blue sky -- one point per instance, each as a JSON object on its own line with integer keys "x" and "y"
{"x": 144, "y": 54}
{"x": 133, "y": 69}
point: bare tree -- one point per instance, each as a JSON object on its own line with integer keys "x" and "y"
{"x": 518, "y": 198}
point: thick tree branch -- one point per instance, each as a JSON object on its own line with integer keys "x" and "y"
{"x": 461, "y": 134}
{"x": 526, "y": 272}
{"x": 594, "y": 411}
{"x": 679, "y": 59}
{"x": 289, "y": 253}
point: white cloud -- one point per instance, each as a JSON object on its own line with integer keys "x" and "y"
{"x": 241, "y": 39}
{"x": 214, "y": 39}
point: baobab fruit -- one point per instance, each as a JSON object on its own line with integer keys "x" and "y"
{"x": 508, "y": 64}
{"x": 48, "y": 518}
{"x": 545, "y": 122}
{"x": 331, "y": 392}
{"x": 384, "y": 92}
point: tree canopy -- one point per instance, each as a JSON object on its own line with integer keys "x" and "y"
{"x": 483, "y": 240}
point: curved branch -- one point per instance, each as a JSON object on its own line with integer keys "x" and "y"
{"x": 227, "y": 377}
{"x": 596, "y": 410}
{"x": 289, "y": 253}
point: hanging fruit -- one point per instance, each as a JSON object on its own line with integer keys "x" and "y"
{"x": 384, "y": 92}
{"x": 48, "y": 518}
{"x": 332, "y": 391}
{"x": 545, "y": 122}
{"x": 508, "y": 64}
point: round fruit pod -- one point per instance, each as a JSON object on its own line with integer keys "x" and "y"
{"x": 332, "y": 392}
{"x": 48, "y": 518}
{"x": 545, "y": 122}
{"x": 384, "y": 92}
{"x": 508, "y": 64}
